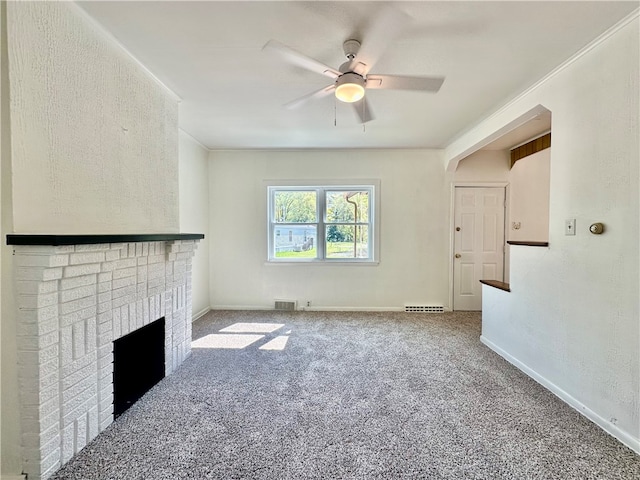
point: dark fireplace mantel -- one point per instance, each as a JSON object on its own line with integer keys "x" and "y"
{"x": 57, "y": 240}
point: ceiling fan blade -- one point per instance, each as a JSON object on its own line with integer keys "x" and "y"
{"x": 301, "y": 60}
{"x": 384, "y": 29}
{"x": 323, "y": 92}
{"x": 399, "y": 82}
{"x": 363, "y": 109}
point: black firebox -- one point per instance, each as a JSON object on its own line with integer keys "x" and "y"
{"x": 138, "y": 364}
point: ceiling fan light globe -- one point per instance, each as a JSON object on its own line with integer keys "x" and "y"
{"x": 349, "y": 87}
{"x": 349, "y": 92}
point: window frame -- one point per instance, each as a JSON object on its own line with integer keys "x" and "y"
{"x": 321, "y": 189}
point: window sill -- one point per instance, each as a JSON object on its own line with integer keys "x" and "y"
{"x": 324, "y": 263}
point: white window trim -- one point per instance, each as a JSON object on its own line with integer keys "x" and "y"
{"x": 374, "y": 215}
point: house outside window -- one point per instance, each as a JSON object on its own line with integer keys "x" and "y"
{"x": 331, "y": 223}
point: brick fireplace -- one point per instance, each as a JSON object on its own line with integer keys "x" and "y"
{"x": 76, "y": 295}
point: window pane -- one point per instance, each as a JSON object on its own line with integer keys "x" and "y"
{"x": 347, "y": 241}
{"x": 294, "y": 207}
{"x": 295, "y": 241}
{"x": 347, "y": 206}
{"x": 318, "y": 223}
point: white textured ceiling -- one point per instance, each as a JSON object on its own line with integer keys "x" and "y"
{"x": 210, "y": 54}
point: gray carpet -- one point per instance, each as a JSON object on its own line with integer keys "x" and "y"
{"x": 351, "y": 396}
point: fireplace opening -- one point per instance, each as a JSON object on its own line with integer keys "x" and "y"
{"x": 138, "y": 364}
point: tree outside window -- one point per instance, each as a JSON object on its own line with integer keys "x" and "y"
{"x": 339, "y": 216}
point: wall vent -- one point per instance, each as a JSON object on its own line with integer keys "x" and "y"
{"x": 424, "y": 308}
{"x": 288, "y": 305}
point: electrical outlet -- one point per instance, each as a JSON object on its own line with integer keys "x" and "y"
{"x": 308, "y": 303}
{"x": 570, "y": 226}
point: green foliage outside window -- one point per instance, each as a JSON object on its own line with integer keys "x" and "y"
{"x": 295, "y": 207}
{"x": 341, "y": 217}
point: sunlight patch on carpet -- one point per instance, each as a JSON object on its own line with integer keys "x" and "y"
{"x": 230, "y": 341}
{"x": 253, "y": 327}
{"x": 277, "y": 343}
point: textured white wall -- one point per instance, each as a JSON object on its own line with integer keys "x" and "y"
{"x": 529, "y": 198}
{"x": 194, "y": 213}
{"x": 571, "y": 318}
{"x": 10, "y": 460}
{"x": 88, "y": 127}
{"x": 413, "y": 221}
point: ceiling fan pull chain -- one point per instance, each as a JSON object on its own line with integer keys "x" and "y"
{"x": 335, "y": 115}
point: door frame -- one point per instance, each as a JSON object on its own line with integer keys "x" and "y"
{"x": 452, "y": 227}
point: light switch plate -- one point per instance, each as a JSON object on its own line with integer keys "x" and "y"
{"x": 570, "y": 226}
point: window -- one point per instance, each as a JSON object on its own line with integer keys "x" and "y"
{"x": 327, "y": 223}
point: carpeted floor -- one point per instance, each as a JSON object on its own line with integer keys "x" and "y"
{"x": 350, "y": 396}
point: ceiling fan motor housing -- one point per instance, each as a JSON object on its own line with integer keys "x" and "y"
{"x": 351, "y": 48}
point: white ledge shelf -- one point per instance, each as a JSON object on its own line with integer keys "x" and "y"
{"x": 497, "y": 284}
{"x": 528, "y": 244}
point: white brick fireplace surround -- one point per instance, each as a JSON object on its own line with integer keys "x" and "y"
{"x": 75, "y": 296}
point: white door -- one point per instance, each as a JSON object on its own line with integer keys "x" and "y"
{"x": 478, "y": 243}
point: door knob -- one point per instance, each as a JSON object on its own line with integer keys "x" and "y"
{"x": 458, "y": 255}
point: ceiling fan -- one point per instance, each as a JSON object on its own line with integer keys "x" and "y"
{"x": 352, "y": 78}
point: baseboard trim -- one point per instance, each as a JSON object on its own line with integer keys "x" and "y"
{"x": 201, "y": 313}
{"x": 353, "y": 309}
{"x": 312, "y": 309}
{"x": 621, "y": 435}
{"x": 241, "y": 307}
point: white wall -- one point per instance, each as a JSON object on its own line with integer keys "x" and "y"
{"x": 10, "y": 459}
{"x": 483, "y": 166}
{"x": 88, "y": 125}
{"x": 529, "y": 198}
{"x": 194, "y": 214}
{"x": 571, "y": 319}
{"x": 413, "y": 223}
